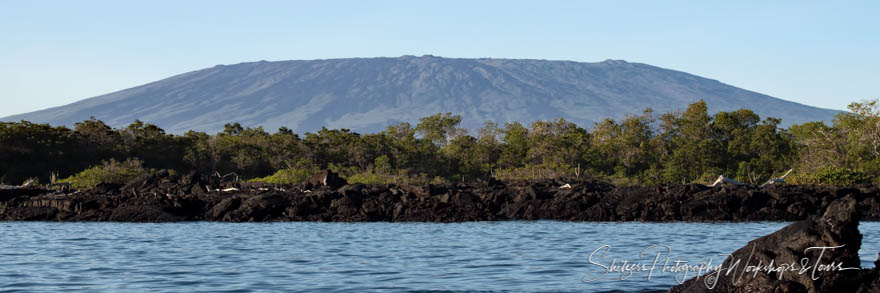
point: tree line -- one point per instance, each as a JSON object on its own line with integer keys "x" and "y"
{"x": 645, "y": 149}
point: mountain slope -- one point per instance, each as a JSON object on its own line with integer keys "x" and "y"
{"x": 367, "y": 94}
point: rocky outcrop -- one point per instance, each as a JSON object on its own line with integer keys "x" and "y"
{"x": 174, "y": 197}
{"x": 815, "y": 255}
{"x": 326, "y": 178}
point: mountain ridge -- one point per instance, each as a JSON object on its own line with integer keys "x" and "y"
{"x": 368, "y": 94}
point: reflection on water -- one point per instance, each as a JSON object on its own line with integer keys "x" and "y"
{"x": 359, "y": 257}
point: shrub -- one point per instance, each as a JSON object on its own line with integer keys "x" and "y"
{"x": 287, "y": 176}
{"x": 108, "y": 172}
{"x": 368, "y": 177}
{"x": 401, "y": 178}
{"x": 831, "y": 175}
{"x": 540, "y": 172}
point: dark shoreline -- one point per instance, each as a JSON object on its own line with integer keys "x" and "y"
{"x": 172, "y": 198}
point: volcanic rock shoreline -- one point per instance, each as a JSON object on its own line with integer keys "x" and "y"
{"x": 164, "y": 197}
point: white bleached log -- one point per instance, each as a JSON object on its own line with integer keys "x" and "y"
{"x": 721, "y": 180}
{"x": 777, "y": 180}
{"x": 29, "y": 183}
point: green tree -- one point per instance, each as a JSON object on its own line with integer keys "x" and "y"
{"x": 440, "y": 128}
{"x": 515, "y": 146}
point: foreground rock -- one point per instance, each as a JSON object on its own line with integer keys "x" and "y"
{"x": 166, "y": 197}
{"x": 815, "y": 255}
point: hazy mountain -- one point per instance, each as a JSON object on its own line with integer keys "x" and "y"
{"x": 367, "y": 94}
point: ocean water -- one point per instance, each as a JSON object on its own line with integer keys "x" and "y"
{"x": 542, "y": 256}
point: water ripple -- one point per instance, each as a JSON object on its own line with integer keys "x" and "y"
{"x": 541, "y": 256}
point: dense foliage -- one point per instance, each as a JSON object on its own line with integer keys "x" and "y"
{"x": 691, "y": 146}
{"x": 108, "y": 172}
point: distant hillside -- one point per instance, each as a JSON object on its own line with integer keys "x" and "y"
{"x": 367, "y": 94}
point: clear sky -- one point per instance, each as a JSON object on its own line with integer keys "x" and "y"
{"x": 820, "y": 53}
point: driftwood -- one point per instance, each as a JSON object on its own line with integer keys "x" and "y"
{"x": 218, "y": 180}
{"x": 29, "y": 183}
{"x": 777, "y": 180}
{"x": 223, "y": 178}
{"x": 65, "y": 186}
{"x": 721, "y": 180}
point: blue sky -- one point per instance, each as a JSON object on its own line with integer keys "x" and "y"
{"x": 824, "y": 54}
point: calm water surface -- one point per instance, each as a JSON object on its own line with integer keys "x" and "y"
{"x": 541, "y": 256}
